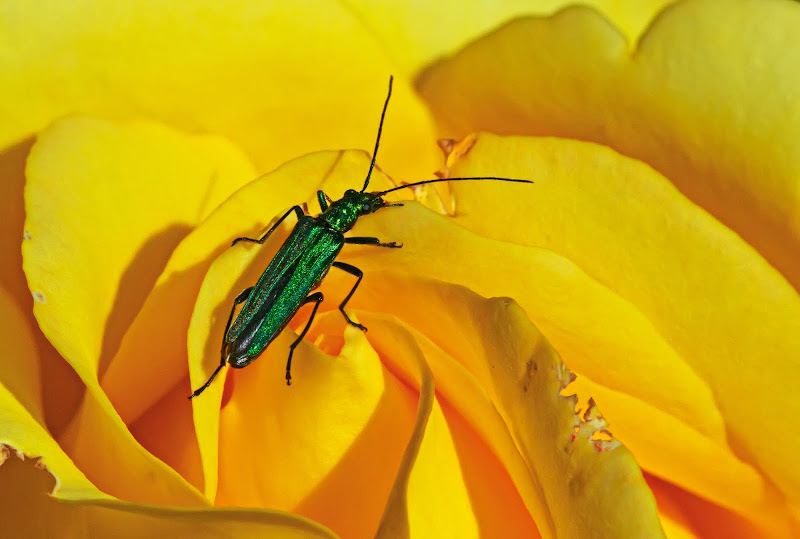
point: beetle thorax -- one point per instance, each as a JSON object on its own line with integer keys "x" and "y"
{"x": 341, "y": 215}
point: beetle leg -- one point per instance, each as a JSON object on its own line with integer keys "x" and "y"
{"x": 316, "y": 297}
{"x": 223, "y": 356}
{"x": 296, "y": 209}
{"x": 352, "y": 270}
{"x": 364, "y": 240}
{"x": 323, "y": 200}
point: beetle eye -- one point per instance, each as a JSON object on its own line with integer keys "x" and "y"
{"x": 365, "y": 208}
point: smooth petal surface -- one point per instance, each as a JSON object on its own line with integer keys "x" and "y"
{"x": 619, "y": 338}
{"x": 28, "y": 511}
{"x": 339, "y": 433}
{"x": 264, "y": 75}
{"x": 120, "y": 198}
{"x": 62, "y": 388}
{"x": 641, "y": 238}
{"x": 417, "y": 33}
{"x": 84, "y": 312}
{"x": 76, "y": 507}
{"x": 450, "y": 467}
{"x": 19, "y": 367}
{"x": 21, "y": 421}
{"x": 489, "y": 350}
{"x": 12, "y": 207}
{"x": 710, "y": 106}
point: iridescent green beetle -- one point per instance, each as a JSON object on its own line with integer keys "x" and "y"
{"x": 299, "y": 267}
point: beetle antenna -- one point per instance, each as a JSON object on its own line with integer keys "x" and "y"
{"x": 454, "y": 180}
{"x": 378, "y": 141}
{"x": 208, "y": 383}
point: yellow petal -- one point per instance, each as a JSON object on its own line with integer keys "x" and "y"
{"x": 102, "y": 446}
{"x": 266, "y": 76}
{"x": 28, "y": 511}
{"x": 686, "y": 515}
{"x": 62, "y": 388}
{"x": 77, "y": 507}
{"x": 338, "y": 432}
{"x": 465, "y": 463}
{"x": 677, "y": 265}
{"x": 105, "y": 205}
{"x": 12, "y": 179}
{"x": 695, "y": 466}
{"x": 417, "y": 33}
{"x": 597, "y": 330}
{"x": 689, "y": 101}
{"x": 494, "y": 347}
{"x": 19, "y": 364}
{"x": 658, "y": 439}
{"x": 603, "y": 334}
{"x": 167, "y": 432}
{"x": 80, "y": 173}
{"x": 20, "y": 405}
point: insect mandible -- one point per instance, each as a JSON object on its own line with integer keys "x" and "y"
{"x": 300, "y": 265}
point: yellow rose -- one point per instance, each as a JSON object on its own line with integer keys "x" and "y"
{"x": 132, "y": 129}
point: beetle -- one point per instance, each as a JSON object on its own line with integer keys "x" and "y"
{"x": 300, "y": 265}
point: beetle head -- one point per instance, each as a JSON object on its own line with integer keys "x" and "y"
{"x": 365, "y": 202}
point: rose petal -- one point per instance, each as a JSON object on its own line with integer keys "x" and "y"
{"x": 698, "y": 283}
{"x": 494, "y": 346}
{"x": 166, "y": 431}
{"x": 76, "y": 157}
{"x": 678, "y": 454}
{"x": 467, "y": 465}
{"x": 587, "y": 320}
{"x": 658, "y": 439}
{"x": 21, "y": 409}
{"x": 104, "y": 449}
{"x": 690, "y": 101}
{"x": 259, "y": 74}
{"x": 12, "y": 176}
{"x": 338, "y": 433}
{"x": 19, "y": 365}
{"x": 509, "y": 508}
{"x": 116, "y": 197}
{"x": 29, "y": 512}
{"x": 492, "y": 268}
{"x": 62, "y": 388}
{"x": 697, "y": 517}
{"x": 414, "y": 33}
{"x": 598, "y": 332}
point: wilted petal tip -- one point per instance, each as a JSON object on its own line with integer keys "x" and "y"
{"x": 5, "y": 453}
{"x": 565, "y": 376}
{"x": 446, "y": 145}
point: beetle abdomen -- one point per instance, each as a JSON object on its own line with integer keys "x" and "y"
{"x": 297, "y": 268}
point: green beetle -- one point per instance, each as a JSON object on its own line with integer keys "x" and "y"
{"x": 299, "y": 267}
